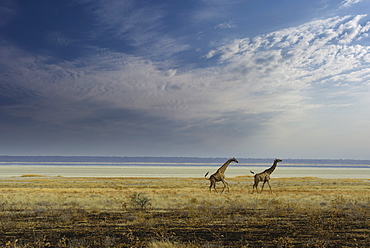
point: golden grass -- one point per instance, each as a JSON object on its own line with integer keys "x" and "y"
{"x": 32, "y": 175}
{"x": 181, "y": 212}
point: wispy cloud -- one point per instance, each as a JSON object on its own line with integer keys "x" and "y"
{"x": 274, "y": 85}
{"x": 129, "y": 21}
{"x": 282, "y": 64}
{"x": 226, "y": 25}
{"x": 296, "y": 71}
{"x": 58, "y": 39}
{"x": 307, "y": 53}
{"x": 138, "y": 25}
{"x": 348, "y": 3}
{"x": 8, "y": 11}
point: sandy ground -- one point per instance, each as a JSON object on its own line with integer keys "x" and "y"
{"x": 181, "y": 212}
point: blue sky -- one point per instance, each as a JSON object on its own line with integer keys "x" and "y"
{"x": 208, "y": 78}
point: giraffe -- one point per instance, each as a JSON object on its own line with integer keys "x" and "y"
{"x": 264, "y": 176}
{"x": 219, "y": 175}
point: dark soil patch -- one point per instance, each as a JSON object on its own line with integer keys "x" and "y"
{"x": 244, "y": 228}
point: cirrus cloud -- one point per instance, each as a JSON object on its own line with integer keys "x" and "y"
{"x": 280, "y": 91}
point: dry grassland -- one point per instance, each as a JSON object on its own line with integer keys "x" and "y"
{"x": 180, "y": 212}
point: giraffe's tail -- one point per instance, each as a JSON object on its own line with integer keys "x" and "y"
{"x": 206, "y": 174}
{"x": 252, "y": 172}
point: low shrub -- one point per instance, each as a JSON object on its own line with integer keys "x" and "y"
{"x": 140, "y": 201}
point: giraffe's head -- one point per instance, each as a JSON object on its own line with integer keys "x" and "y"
{"x": 235, "y": 160}
{"x": 278, "y": 160}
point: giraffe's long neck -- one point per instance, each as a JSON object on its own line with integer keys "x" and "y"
{"x": 272, "y": 168}
{"x": 223, "y": 168}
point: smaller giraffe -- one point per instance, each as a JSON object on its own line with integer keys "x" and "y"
{"x": 219, "y": 175}
{"x": 264, "y": 176}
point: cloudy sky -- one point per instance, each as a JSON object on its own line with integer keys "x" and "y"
{"x": 208, "y": 78}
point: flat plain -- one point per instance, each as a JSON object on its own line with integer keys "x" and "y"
{"x": 39, "y": 211}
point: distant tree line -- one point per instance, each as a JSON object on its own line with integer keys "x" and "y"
{"x": 118, "y": 159}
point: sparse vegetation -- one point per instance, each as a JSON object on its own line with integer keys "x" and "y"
{"x": 140, "y": 201}
{"x": 171, "y": 212}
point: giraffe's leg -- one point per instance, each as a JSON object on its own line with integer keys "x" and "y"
{"x": 269, "y": 186}
{"x": 255, "y": 185}
{"x": 225, "y": 185}
{"x": 214, "y": 186}
{"x": 228, "y": 189}
{"x": 263, "y": 185}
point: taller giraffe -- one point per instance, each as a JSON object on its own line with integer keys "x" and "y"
{"x": 220, "y": 176}
{"x": 264, "y": 176}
